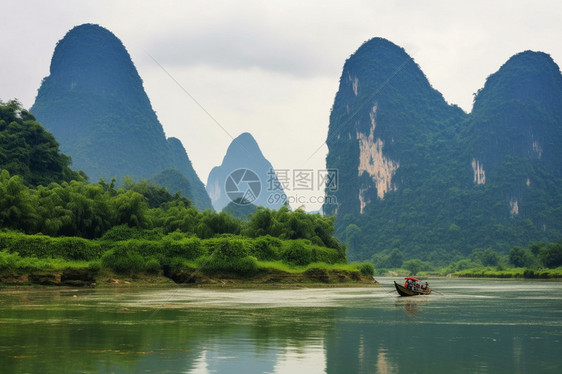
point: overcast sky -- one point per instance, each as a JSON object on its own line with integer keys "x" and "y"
{"x": 272, "y": 68}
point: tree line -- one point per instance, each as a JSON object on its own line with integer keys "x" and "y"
{"x": 539, "y": 255}
{"x": 89, "y": 210}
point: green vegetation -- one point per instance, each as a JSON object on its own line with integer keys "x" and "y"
{"x": 13, "y": 263}
{"x": 29, "y": 151}
{"x": 141, "y": 228}
{"x": 94, "y": 103}
{"x": 174, "y": 181}
{"x": 540, "y": 260}
{"x": 176, "y": 255}
{"x": 240, "y": 208}
{"x": 59, "y": 229}
{"x": 435, "y": 207}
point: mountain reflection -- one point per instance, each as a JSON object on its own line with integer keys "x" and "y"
{"x": 485, "y": 329}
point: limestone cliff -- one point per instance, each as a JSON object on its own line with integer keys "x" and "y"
{"x": 419, "y": 175}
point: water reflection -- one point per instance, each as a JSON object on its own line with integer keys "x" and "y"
{"x": 472, "y": 327}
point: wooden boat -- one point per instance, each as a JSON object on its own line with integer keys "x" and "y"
{"x": 403, "y": 291}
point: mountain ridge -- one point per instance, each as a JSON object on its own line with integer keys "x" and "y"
{"x": 94, "y": 102}
{"x": 245, "y": 175}
{"x": 424, "y": 177}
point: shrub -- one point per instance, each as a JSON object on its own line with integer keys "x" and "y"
{"x": 8, "y": 261}
{"x": 152, "y": 266}
{"x": 26, "y": 245}
{"x": 551, "y": 256}
{"x": 13, "y": 263}
{"x": 415, "y": 265}
{"x": 176, "y": 264}
{"x": 461, "y": 265}
{"x": 295, "y": 252}
{"x": 230, "y": 249}
{"x": 245, "y": 266}
{"x": 72, "y": 248}
{"x": 266, "y": 248}
{"x": 123, "y": 261}
{"x": 188, "y": 248}
{"x": 94, "y": 266}
{"x": 41, "y": 246}
{"x": 366, "y": 268}
{"x": 124, "y": 232}
{"x": 327, "y": 255}
{"x": 302, "y": 252}
{"x": 230, "y": 255}
{"x": 220, "y": 265}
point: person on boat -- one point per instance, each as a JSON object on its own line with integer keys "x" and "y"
{"x": 426, "y": 287}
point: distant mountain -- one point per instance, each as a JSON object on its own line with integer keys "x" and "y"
{"x": 94, "y": 103}
{"x": 244, "y": 175}
{"x": 420, "y": 175}
{"x": 517, "y": 114}
{"x": 240, "y": 209}
{"x": 514, "y": 143}
{"x": 385, "y": 120}
{"x": 174, "y": 181}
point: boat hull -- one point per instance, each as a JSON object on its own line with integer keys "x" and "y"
{"x": 403, "y": 291}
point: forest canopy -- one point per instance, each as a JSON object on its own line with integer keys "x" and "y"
{"x": 48, "y": 211}
{"x": 28, "y": 150}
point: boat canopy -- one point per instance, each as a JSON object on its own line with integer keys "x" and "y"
{"x": 414, "y": 279}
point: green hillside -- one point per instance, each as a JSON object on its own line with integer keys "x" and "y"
{"x": 422, "y": 177}
{"x": 94, "y": 103}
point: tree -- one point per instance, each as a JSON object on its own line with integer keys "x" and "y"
{"x": 487, "y": 257}
{"x": 130, "y": 208}
{"x": 395, "y": 258}
{"x": 16, "y": 203}
{"x": 240, "y": 208}
{"x": 352, "y": 237}
{"x": 551, "y": 256}
{"x": 155, "y": 195}
{"x": 28, "y": 150}
{"x": 517, "y": 256}
{"x": 415, "y": 265}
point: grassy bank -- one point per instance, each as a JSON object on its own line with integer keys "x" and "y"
{"x": 489, "y": 272}
{"x": 31, "y": 270}
{"x": 479, "y": 272}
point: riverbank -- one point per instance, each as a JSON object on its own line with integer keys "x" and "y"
{"x": 517, "y": 273}
{"x": 264, "y": 278}
{"x": 482, "y": 272}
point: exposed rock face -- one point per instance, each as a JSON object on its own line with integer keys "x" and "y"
{"x": 385, "y": 115}
{"x": 479, "y": 173}
{"x": 245, "y": 176}
{"x": 420, "y": 175}
{"x": 515, "y": 132}
{"x": 373, "y": 162}
{"x": 94, "y": 103}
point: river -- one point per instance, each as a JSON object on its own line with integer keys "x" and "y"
{"x": 466, "y": 326}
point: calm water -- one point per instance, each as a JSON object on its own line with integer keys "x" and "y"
{"x": 472, "y": 326}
